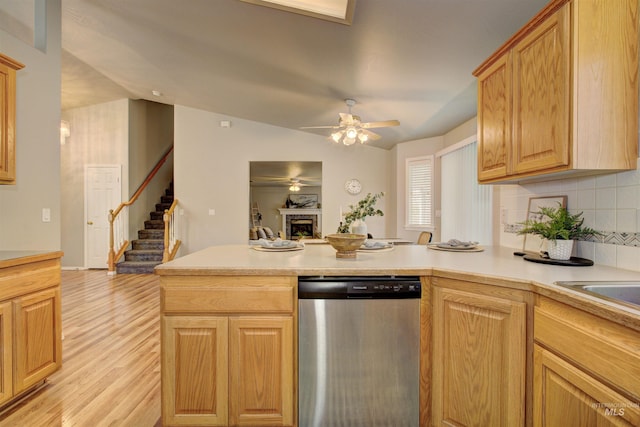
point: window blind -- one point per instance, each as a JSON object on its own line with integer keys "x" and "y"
{"x": 419, "y": 192}
{"x": 466, "y": 206}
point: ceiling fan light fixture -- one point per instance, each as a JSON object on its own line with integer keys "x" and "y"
{"x": 363, "y": 137}
{"x": 352, "y": 132}
{"x": 336, "y": 136}
{"x": 294, "y": 187}
{"x": 348, "y": 141}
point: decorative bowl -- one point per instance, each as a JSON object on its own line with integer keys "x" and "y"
{"x": 346, "y": 244}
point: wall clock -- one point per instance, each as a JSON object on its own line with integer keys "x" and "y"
{"x": 353, "y": 186}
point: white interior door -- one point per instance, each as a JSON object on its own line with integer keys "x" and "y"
{"x": 102, "y": 193}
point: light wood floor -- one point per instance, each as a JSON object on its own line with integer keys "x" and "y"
{"x": 110, "y": 372}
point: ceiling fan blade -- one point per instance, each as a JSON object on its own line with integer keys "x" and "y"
{"x": 384, "y": 124}
{"x": 372, "y": 136}
{"x": 346, "y": 119}
{"x": 320, "y": 127}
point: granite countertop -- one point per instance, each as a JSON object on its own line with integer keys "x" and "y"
{"x": 494, "y": 265}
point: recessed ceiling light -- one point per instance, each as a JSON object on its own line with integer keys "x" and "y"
{"x": 156, "y": 93}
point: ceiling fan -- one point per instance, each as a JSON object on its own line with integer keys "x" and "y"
{"x": 351, "y": 129}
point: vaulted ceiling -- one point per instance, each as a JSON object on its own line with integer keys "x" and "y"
{"x": 409, "y": 60}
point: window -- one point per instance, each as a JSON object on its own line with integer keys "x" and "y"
{"x": 466, "y": 205}
{"x": 419, "y": 192}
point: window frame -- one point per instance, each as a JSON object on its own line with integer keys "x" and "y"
{"x": 429, "y": 160}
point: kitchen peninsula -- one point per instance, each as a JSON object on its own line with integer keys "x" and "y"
{"x": 490, "y": 322}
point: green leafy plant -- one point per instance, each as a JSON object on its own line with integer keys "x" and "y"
{"x": 557, "y": 223}
{"x": 361, "y": 210}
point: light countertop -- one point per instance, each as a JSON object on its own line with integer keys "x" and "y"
{"x": 13, "y": 258}
{"x": 495, "y": 265}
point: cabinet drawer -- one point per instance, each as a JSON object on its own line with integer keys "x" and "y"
{"x": 605, "y": 349}
{"x": 236, "y": 294}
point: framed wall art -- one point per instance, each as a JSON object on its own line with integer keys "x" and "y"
{"x": 308, "y": 201}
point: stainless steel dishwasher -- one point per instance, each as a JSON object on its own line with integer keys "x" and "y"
{"x": 359, "y": 351}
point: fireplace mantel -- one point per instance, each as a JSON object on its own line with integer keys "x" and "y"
{"x": 315, "y": 214}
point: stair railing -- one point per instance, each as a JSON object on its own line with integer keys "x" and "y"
{"x": 119, "y": 219}
{"x": 171, "y": 241}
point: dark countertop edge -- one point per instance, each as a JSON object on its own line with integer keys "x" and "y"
{"x": 15, "y": 258}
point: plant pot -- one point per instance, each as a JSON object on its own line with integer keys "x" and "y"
{"x": 560, "y": 249}
{"x": 359, "y": 227}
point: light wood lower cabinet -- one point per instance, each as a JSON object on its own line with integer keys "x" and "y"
{"x": 566, "y": 396}
{"x": 30, "y": 323}
{"x": 38, "y": 348}
{"x": 479, "y": 354}
{"x": 6, "y": 355}
{"x": 261, "y": 371}
{"x": 234, "y": 365}
{"x": 194, "y": 370}
{"x": 586, "y": 369}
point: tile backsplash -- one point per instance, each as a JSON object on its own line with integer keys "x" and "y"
{"x": 609, "y": 203}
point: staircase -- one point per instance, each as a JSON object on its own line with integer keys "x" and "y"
{"x": 146, "y": 252}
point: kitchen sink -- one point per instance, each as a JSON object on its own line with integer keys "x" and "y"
{"x": 628, "y": 292}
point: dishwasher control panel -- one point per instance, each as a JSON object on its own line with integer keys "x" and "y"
{"x": 320, "y": 287}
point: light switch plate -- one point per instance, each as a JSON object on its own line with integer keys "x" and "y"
{"x": 46, "y": 215}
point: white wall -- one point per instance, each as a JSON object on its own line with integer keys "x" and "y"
{"x": 418, "y": 148}
{"x": 212, "y": 172}
{"x": 37, "y": 142}
{"x": 99, "y": 136}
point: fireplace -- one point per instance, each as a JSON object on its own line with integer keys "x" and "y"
{"x": 301, "y": 227}
{"x": 296, "y": 221}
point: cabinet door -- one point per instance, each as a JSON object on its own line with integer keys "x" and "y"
{"x": 194, "y": 370}
{"x": 6, "y": 352}
{"x": 8, "y": 69}
{"x": 566, "y": 396}
{"x": 38, "y": 331}
{"x": 541, "y": 96}
{"x": 261, "y": 371}
{"x": 479, "y": 359}
{"x": 494, "y": 120}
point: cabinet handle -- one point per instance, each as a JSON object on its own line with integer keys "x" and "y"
{"x": 90, "y": 222}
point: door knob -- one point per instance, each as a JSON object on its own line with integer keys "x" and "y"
{"x": 90, "y": 222}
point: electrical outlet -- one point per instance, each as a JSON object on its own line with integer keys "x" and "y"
{"x": 212, "y": 212}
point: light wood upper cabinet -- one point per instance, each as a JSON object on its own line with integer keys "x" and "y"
{"x": 571, "y": 94}
{"x": 541, "y": 86}
{"x": 8, "y": 68}
{"x": 479, "y": 355}
{"x": 494, "y": 119}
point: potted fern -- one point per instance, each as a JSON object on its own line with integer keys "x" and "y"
{"x": 560, "y": 228}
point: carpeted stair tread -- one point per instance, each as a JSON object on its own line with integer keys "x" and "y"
{"x": 148, "y": 244}
{"x": 143, "y": 255}
{"x": 154, "y": 224}
{"x": 137, "y": 267}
